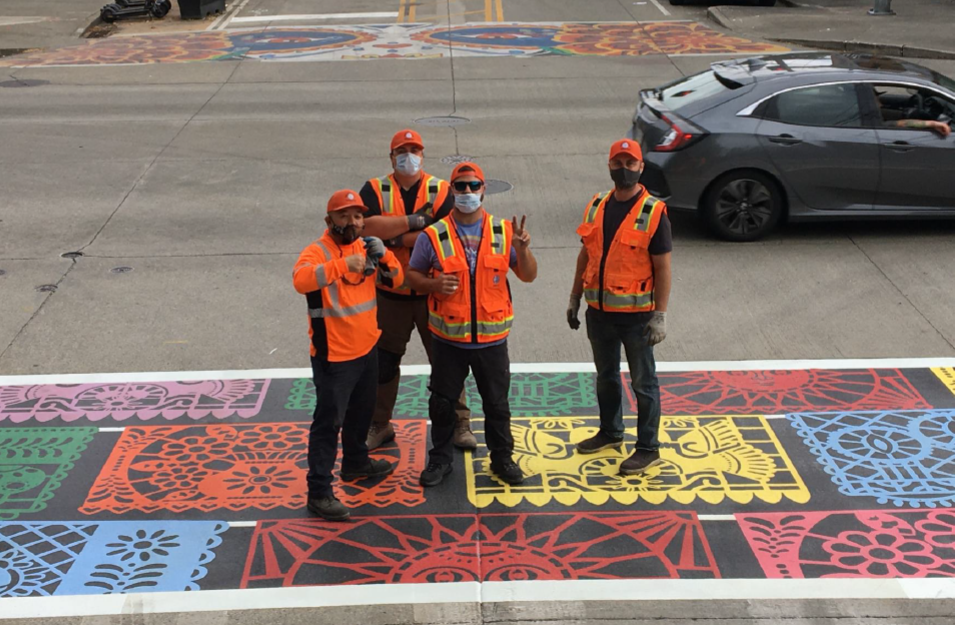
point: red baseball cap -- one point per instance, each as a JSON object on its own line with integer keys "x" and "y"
{"x": 346, "y": 198}
{"x": 475, "y": 171}
{"x": 406, "y": 137}
{"x": 626, "y": 146}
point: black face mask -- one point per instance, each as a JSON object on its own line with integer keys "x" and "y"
{"x": 625, "y": 178}
{"x": 348, "y": 234}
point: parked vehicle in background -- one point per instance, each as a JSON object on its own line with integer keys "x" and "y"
{"x": 800, "y": 136}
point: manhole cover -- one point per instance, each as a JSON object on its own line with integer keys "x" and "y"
{"x": 456, "y": 159}
{"x": 497, "y": 186}
{"x": 120, "y": 269}
{"x": 15, "y": 84}
{"x": 46, "y": 288}
{"x": 443, "y": 120}
{"x": 71, "y": 255}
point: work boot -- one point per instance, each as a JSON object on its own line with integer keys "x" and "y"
{"x": 434, "y": 474}
{"x": 463, "y": 437}
{"x": 329, "y": 508}
{"x": 379, "y": 434}
{"x": 640, "y": 461}
{"x": 598, "y": 442}
{"x": 374, "y": 468}
{"x": 508, "y": 471}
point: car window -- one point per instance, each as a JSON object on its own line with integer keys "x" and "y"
{"x": 903, "y": 102}
{"x": 692, "y": 89}
{"x": 824, "y": 105}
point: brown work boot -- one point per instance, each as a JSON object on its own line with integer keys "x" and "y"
{"x": 379, "y": 434}
{"x": 463, "y": 438}
{"x": 640, "y": 461}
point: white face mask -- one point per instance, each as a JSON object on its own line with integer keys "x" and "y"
{"x": 408, "y": 164}
{"x": 467, "y": 203}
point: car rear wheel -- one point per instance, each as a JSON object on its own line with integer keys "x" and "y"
{"x": 743, "y": 206}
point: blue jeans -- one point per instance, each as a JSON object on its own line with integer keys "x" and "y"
{"x": 606, "y": 339}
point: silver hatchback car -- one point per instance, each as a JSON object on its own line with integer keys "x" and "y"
{"x": 749, "y": 143}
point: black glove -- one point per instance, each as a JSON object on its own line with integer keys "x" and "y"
{"x": 421, "y": 218}
{"x": 573, "y": 308}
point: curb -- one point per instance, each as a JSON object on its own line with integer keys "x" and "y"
{"x": 91, "y": 20}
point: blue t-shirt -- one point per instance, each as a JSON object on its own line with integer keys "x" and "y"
{"x": 424, "y": 258}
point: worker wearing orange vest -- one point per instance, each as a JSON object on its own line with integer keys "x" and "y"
{"x": 623, "y": 271}
{"x": 400, "y": 206}
{"x": 337, "y": 274}
{"x": 462, "y": 264}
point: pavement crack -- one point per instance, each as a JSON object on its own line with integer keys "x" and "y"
{"x": 38, "y": 310}
{"x": 901, "y": 293}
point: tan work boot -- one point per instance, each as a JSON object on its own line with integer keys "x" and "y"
{"x": 463, "y": 438}
{"x": 379, "y": 434}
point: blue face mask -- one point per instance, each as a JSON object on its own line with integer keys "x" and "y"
{"x": 467, "y": 203}
{"x": 408, "y": 164}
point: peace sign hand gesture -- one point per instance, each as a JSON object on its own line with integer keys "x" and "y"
{"x": 522, "y": 238}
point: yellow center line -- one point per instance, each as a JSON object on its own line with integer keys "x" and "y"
{"x": 488, "y": 10}
{"x": 401, "y": 11}
{"x": 500, "y": 10}
{"x": 413, "y": 4}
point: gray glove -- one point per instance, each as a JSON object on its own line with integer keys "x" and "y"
{"x": 374, "y": 247}
{"x": 573, "y": 308}
{"x": 657, "y": 328}
{"x": 421, "y": 218}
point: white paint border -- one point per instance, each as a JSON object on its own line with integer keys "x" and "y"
{"x": 526, "y": 367}
{"x": 474, "y": 592}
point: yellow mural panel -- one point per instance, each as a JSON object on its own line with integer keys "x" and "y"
{"x": 710, "y": 458}
{"x": 946, "y": 375}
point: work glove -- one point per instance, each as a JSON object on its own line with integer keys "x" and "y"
{"x": 374, "y": 247}
{"x": 657, "y": 328}
{"x": 421, "y": 218}
{"x": 573, "y": 308}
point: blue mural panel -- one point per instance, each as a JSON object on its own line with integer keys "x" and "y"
{"x": 55, "y": 558}
{"x": 906, "y": 458}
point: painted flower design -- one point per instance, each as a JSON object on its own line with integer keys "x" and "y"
{"x": 143, "y": 547}
{"x": 20, "y": 575}
{"x": 260, "y": 480}
{"x": 196, "y": 449}
{"x": 273, "y": 437}
{"x": 179, "y": 476}
{"x": 882, "y": 554}
{"x": 939, "y": 529}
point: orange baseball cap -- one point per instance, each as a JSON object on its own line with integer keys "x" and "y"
{"x": 346, "y": 198}
{"x": 475, "y": 171}
{"x": 406, "y": 137}
{"x": 626, "y": 146}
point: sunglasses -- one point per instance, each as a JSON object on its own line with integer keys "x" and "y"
{"x": 473, "y": 185}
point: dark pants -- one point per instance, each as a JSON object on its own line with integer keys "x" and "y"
{"x": 345, "y": 402}
{"x": 606, "y": 340}
{"x": 397, "y": 318}
{"x": 491, "y": 367}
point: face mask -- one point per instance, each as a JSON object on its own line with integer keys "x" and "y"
{"x": 467, "y": 203}
{"x": 348, "y": 234}
{"x": 408, "y": 164}
{"x": 625, "y": 178}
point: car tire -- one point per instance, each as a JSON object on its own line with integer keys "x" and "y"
{"x": 766, "y": 3}
{"x": 743, "y": 205}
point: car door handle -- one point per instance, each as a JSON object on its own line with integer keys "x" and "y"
{"x": 785, "y": 139}
{"x": 900, "y": 146}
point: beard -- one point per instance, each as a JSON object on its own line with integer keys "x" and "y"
{"x": 347, "y": 234}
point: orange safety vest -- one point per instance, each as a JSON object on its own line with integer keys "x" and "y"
{"x": 623, "y": 281}
{"x": 342, "y": 305}
{"x": 480, "y": 311}
{"x": 388, "y": 190}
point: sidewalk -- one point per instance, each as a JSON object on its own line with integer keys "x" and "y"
{"x": 920, "y": 28}
{"x": 28, "y": 24}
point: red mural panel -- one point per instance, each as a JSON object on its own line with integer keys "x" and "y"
{"x": 238, "y": 467}
{"x": 493, "y": 547}
{"x": 784, "y": 391}
{"x": 869, "y": 543}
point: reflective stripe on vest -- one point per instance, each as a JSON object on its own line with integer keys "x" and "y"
{"x": 445, "y": 245}
{"x": 386, "y": 188}
{"x": 595, "y": 206}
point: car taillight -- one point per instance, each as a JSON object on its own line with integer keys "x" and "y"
{"x": 675, "y": 139}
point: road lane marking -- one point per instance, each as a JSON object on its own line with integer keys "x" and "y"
{"x": 663, "y": 9}
{"x": 314, "y": 17}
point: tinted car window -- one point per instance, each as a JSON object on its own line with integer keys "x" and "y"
{"x": 826, "y": 105}
{"x": 692, "y": 89}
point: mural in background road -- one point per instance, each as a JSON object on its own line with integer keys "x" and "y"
{"x": 403, "y": 41}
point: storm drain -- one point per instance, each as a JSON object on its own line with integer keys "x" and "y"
{"x": 456, "y": 159}
{"x": 120, "y": 269}
{"x": 46, "y": 288}
{"x": 16, "y": 84}
{"x": 445, "y": 121}
{"x": 497, "y": 186}
{"x": 71, "y": 255}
